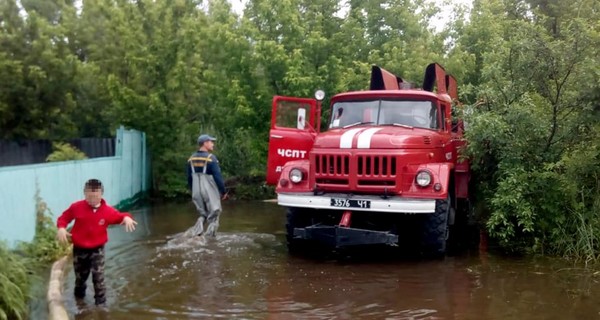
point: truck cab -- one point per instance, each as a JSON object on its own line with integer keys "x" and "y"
{"x": 387, "y": 164}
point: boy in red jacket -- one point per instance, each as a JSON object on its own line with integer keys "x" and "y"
{"x": 92, "y": 216}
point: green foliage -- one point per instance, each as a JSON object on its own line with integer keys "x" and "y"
{"x": 172, "y": 69}
{"x": 16, "y": 269}
{"x": 528, "y": 71}
{"x": 44, "y": 249}
{"x": 250, "y": 188}
{"x": 577, "y": 233}
{"x": 14, "y": 283}
{"x": 235, "y": 146}
{"x": 531, "y": 137}
{"x": 64, "y": 152}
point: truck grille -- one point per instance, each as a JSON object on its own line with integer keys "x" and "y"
{"x": 332, "y": 164}
{"x": 364, "y": 170}
{"x": 380, "y": 166}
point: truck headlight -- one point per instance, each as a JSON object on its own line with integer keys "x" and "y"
{"x": 423, "y": 178}
{"x": 296, "y": 175}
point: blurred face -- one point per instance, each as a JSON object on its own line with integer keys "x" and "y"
{"x": 209, "y": 145}
{"x": 93, "y": 196}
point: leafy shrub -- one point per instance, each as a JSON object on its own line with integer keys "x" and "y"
{"x": 16, "y": 270}
{"x": 44, "y": 248}
{"x": 576, "y": 234}
{"x": 249, "y": 188}
{"x": 239, "y": 155}
{"x": 540, "y": 197}
{"x": 65, "y": 152}
{"x": 14, "y": 283}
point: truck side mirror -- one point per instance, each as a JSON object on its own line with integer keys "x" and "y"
{"x": 301, "y": 123}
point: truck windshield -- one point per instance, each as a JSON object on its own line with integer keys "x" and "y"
{"x": 420, "y": 114}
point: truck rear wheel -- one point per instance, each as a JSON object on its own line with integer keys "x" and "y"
{"x": 436, "y": 231}
{"x": 464, "y": 234}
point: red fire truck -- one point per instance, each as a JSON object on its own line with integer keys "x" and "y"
{"x": 385, "y": 171}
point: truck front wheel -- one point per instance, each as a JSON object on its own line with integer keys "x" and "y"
{"x": 296, "y": 218}
{"x": 435, "y": 234}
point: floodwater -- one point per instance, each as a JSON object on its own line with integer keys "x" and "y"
{"x": 246, "y": 273}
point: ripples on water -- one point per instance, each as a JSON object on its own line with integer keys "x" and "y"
{"x": 177, "y": 277}
{"x": 246, "y": 273}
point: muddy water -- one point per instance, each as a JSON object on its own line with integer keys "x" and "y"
{"x": 246, "y": 273}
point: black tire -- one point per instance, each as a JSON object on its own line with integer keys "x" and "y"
{"x": 464, "y": 234}
{"x": 436, "y": 230}
{"x": 296, "y": 218}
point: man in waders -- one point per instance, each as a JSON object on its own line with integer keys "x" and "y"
{"x": 206, "y": 183}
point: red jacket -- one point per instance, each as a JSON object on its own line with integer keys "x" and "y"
{"x": 89, "y": 230}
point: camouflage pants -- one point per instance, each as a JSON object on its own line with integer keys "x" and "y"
{"x": 84, "y": 262}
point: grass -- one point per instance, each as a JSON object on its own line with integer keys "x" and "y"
{"x": 16, "y": 267}
{"x": 14, "y": 284}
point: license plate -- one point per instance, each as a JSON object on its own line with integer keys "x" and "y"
{"x": 350, "y": 203}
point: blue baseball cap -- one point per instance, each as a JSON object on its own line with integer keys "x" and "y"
{"x": 205, "y": 137}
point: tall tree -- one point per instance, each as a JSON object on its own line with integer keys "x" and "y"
{"x": 39, "y": 102}
{"x": 532, "y": 116}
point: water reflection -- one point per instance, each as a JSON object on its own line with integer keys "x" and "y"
{"x": 246, "y": 273}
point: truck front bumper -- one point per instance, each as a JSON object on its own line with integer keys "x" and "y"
{"x": 378, "y": 204}
{"x": 336, "y": 236}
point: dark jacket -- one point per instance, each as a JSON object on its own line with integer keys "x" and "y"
{"x": 201, "y": 158}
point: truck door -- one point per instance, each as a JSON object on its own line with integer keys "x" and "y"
{"x": 292, "y": 133}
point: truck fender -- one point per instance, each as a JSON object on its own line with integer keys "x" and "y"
{"x": 285, "y": 185}
{"x": 441, "y": 174}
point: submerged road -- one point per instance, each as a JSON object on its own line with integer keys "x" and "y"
{"x": 246, "y": 273}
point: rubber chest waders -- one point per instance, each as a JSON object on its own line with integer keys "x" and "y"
{"x": 207, "y": 199}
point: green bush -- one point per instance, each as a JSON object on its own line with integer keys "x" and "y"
{"x": 65, "y": 152}
{"x": 16, "y": 269}
{"x": 539, "y": 197}
{"x": 239, "y": 155}
{"x": 14, "y": 283}
{"x": 576, "y": 233}
{"x": 249, "y": 188}
{"x": 44, "y": 249}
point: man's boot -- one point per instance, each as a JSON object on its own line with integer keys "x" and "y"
{"x": 211, "y": 230}
{"x": 198, "y": 228}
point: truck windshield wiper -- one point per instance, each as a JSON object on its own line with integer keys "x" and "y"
{"x": 403, "y": 125}
{"x": 357, "y": 123}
